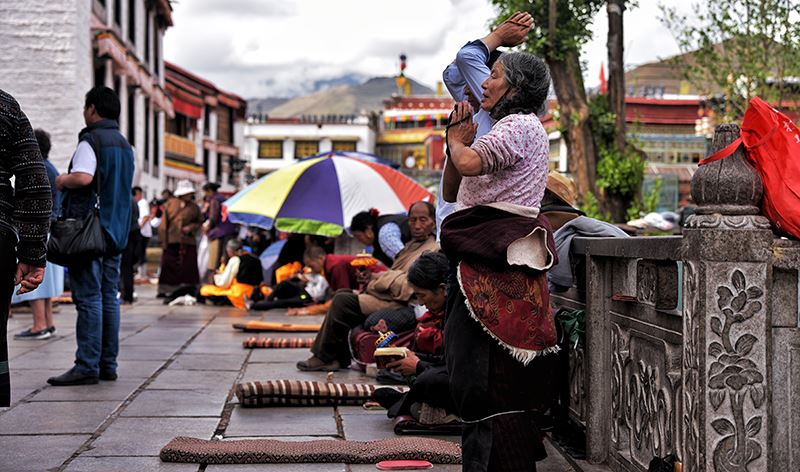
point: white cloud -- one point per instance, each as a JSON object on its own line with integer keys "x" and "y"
{"x": 260, "y": 48}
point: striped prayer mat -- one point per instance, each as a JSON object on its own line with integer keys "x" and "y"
{"x": 270, "y": 451}
{"x": 258, "y": 326}
{"x": 302, "y": 393}
{"x": 277, "y": 343}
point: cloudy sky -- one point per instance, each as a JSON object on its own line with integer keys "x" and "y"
{"x": 259, "y": 48}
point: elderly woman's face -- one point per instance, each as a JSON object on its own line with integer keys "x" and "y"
{"x": 494, "y": 87}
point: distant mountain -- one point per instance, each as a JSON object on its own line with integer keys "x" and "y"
{"x": 264, "y": 105}
{"x": 342, "y": 97}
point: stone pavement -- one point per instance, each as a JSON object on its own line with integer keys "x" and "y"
{"x": 177, "y": 367}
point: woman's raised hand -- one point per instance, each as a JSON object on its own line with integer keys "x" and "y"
{"x": 515, "y": 29}
{"x": 462, "y": 130}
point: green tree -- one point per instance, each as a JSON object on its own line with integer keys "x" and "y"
{"x": 743, "y": 48}
{"x": 561, "y": 28}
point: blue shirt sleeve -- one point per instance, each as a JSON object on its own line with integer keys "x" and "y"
{"x": 471, "y": 63}
{"x": 390, "y": 239}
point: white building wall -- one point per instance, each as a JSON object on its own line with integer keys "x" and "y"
{"x": 46, "y": 64}
{"x": 290, "y": 132}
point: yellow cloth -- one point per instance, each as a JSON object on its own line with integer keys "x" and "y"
{"x": 287, "y": 271}
{"x": 235, "y": 293}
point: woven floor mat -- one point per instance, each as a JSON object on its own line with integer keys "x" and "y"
{"x": 277, "y": 343}
{"x": 302, "y": 393}
{"x": 258, "y": 326}
{"x": 270, "y": 451}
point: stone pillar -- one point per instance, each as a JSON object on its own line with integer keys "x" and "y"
{"x": 726, "y": 325}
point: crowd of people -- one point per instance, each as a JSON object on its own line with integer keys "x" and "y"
{"x": 464, "y": 285}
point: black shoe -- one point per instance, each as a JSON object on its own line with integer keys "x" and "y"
{"x": 108, "y": 376}
{"x": 29, "y": 334}
{"x": 52, "y": 330}
{"x": 387, "y": 396}
{"x": 71, "y": 377}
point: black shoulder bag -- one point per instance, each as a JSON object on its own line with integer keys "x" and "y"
{"x": 75, "y": 241}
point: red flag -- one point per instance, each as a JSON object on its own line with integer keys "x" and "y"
{"x": 603, "y": 83}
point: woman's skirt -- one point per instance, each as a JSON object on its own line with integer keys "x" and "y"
{"x": 178, "y": 267}
{"x": 51, "y": 286}
{"x": 485, "y": 380}
{"x": 236, "y": 293}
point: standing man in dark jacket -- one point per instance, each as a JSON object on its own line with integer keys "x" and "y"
{"x": 24, "y": 218}
{"x": 101, "y": 170}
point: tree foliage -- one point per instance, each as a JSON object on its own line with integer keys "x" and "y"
{"x": 743, "y": 48}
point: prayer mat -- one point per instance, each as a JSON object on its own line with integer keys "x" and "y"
{"x": 271, "y": 451}
{"x": 277, "y": 343}
{"x": 259, "y": 326}
{"x": 302, "y": 393}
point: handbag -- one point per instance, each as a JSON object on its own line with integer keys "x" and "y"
{"x": 73, "y": 240}
{"x": 772, "y": 141}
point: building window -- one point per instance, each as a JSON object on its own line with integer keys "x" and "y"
{"x": 205, "y": 163}
{"x": 132, "y": 116}
{"x": 132, "y": 21}
{"x": 156, "y": 142}
{"x": 270, "y": 149}
{"x": 147, "y": 134}
{"x": 224, "y": 128}
{"x": 345, "y": 146}
{"x": 147, "y": 21}
{"x": 100, "y": 72}
{"x": 157, "y": 51}
{"x": 118, "y": 12}
{"x": 305, "y": 149}
{"x": 218, "y": 178}
{"x": 206, "y": 121}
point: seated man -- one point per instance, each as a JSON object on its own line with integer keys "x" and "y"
{"x": 424, "y": 364}
{"x": 388, "y": 289}
{"x": 237, "y": 278}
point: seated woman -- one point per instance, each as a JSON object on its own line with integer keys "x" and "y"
{"x": 236, "y": 279}
{"x": 387, "y": 234}
{"x": 385, "y": 290}
{"x": 424, "y": 364}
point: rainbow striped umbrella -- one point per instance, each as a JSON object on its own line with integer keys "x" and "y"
{"x": 321, "y": 194}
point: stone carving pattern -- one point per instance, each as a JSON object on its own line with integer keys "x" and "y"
{"x": 735, "y": 377}
{"x": 644, "y": 400}
{"x": 646, "y": 282}
{"x": 577, "y": 390}
{"x": 690, "y": 449}
{"x": 717, "y": 220}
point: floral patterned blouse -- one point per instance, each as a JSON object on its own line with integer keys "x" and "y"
{"x": 514, "y": 156}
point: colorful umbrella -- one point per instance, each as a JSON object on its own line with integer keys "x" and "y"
{"x": 320, "y": 195}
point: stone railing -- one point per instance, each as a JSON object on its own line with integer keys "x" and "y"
{"x": 692, "y": 343}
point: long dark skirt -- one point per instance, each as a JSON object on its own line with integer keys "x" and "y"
{"x": 485, "y": 380}
{"x": 178, "y": 267}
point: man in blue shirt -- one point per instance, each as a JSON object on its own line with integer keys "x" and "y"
{"x": 101, "y": 170}
{"x": 463, "y": 78}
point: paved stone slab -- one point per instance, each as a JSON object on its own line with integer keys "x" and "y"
{"x": 192, "y": 403}
{"x": 37, "y": 453}
{"x": 256, "y": 422}
{"x": 279, "y": 468}
{"x": 137, "y": 369}
{"x": 127, "y": 464}
{"x": 208, "y": 362}
{"x": 118, "y": 390}
{"x": 146, "y": 436}
{"x": 283, "y": 356}
{"x": 25, "y": 381}
{"x": 175, "y": 379}
{"x": 214, "y": 347}
{"x": 40, "y": 360}
{"x": 132, "y": 352}
{"x": 367, "y": 427}
{"x": 56, "y": 417}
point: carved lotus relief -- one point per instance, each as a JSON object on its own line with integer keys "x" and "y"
{"x": 734, "y": 376}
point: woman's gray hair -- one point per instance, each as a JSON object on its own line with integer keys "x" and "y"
{"x": 528, "y": 79}
{"x": 234, "y": 245}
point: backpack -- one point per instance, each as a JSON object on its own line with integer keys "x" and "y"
{"x": 773, "y": 146}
